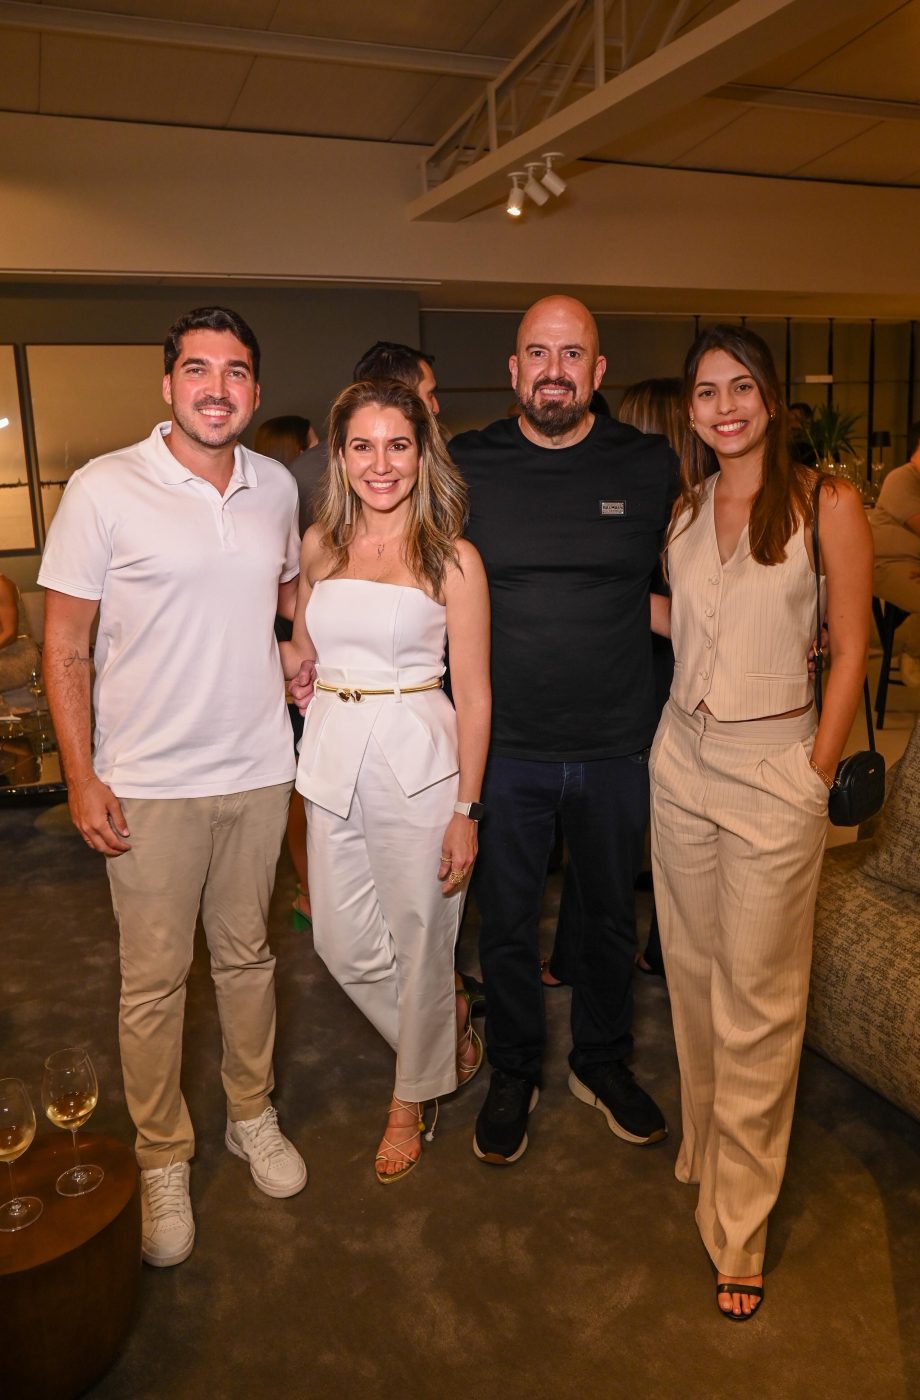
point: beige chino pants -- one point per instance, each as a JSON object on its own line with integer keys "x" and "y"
{"x": 218, "y": 854}
{"x": 739, "y": 821}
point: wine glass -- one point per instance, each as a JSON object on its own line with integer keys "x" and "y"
{"x": 17, "y": 1129}
{"x": 69, "y": 1094}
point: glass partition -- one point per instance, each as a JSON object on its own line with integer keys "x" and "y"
{"x": 17, "y": 530}
{"x": 87, "y": 400}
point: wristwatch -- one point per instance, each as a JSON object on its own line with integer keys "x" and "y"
{"x": 474, "y": 810}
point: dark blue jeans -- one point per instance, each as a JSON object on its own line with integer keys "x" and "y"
{"x": 604, "y": 807}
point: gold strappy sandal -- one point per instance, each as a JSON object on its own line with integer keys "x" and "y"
{"x": 385, "y": 1178}
{"x": 467, "y": 1039}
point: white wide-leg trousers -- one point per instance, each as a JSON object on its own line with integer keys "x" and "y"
{"x": 381, "y": 924}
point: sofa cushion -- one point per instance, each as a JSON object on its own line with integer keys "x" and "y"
{"x": 894, "y": 855}
{"x": 864, "y": 997}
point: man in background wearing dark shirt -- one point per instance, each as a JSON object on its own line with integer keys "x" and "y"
{"x": 568, "y": 511}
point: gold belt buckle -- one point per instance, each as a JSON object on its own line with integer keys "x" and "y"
{"x": 346, "y": 695}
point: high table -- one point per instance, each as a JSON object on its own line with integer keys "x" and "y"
{"x": 30, "y": 766}
{"x": 68, "y": 1283}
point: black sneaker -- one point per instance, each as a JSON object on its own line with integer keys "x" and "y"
{"x": 501, "y": 1128}
{"x": 630, "y": 1112}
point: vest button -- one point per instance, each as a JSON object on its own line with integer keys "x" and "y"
{"x": 710, "y": 612}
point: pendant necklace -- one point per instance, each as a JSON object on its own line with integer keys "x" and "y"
{"x": 384, "y": 564}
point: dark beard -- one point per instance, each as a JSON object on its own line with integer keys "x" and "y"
{"x": 231, "y": 434}
{"x": 553, "y": 419}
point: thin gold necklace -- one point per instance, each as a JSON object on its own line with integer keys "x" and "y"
{"x": 380, "y": 548}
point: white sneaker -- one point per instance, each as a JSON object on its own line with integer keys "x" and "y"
{"x": 277, "y": 1167}
{"x": 910, "y": 669}
{"x": 167, "y": 1226}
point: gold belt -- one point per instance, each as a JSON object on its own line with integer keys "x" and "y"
{"x": 356, "y": 693}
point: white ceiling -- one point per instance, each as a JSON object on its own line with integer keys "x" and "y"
{"x": 842, "y": 107}
{"x": 822, "y": 110}
{"x": 861, "y": 71}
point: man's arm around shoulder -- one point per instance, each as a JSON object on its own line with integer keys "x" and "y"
{"x": 94, "y": 808}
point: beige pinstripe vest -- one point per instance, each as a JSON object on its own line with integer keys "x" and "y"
{"x": 741, "y": 630}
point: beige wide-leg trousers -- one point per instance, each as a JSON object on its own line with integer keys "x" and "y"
{"x": 381, "y": 924}
{"x": 739, "y": 821}
{"x": 218, "y": 853}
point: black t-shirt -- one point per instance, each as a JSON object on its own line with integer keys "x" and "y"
{"x": 570, "y": 538}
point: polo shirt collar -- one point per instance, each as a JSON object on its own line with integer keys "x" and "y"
{"x": 171, "y": 471}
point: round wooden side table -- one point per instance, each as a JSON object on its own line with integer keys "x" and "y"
{"x": 68, "y": 1283}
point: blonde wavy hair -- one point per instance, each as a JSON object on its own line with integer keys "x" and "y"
{"x": 438, "y": 505}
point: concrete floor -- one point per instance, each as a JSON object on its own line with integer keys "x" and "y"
{"x": 575, "y": 1273}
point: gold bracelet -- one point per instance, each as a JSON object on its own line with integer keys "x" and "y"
{"x": 828, "y": 782}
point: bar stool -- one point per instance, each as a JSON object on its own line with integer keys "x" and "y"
{"x": 888, "y": 619}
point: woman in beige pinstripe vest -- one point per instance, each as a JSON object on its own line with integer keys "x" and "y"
{"x": 740, "y": 774}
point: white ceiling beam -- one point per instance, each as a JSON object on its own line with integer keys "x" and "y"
{"x": 138, "y": 29}
{"x": 830, "y": 103}
{"x": 749, "y": 33}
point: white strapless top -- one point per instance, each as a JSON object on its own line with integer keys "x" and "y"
{"x": 375, "y": 636}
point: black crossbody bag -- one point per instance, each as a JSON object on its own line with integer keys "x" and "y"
{"x": 859, "y": 784}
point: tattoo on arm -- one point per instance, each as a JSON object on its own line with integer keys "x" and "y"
{"x": 75, "y": 657}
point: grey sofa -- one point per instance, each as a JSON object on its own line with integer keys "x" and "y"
{"x": 864, "y": 1000}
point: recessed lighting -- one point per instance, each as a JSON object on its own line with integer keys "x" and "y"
{"x": 4, "y": 422}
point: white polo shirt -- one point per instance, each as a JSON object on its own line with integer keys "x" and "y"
{"x": 189, "y": 692}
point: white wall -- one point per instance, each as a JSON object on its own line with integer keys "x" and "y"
{"x": 82, "y": 197}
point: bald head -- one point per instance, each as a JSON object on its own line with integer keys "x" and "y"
{"x": 555, "y": 370}
{"x": 565, "y": 315}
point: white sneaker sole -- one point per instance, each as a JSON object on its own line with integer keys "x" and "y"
{"x": 280, "y": 1193}
{"x": 588, "y": 1096}
{"x": 167, "y": 1261}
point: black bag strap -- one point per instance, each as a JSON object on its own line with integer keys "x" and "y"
{"x": 819, "y": 650}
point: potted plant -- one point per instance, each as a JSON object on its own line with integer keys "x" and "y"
{"x": 830, "y": 434}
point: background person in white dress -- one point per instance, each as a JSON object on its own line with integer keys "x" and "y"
{"x": 391, "y": 771}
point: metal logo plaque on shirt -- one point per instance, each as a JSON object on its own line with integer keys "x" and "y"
{"x": 612, "y": 507}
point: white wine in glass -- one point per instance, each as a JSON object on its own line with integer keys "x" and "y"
{"x": 17, "y": 1129}
{"x": 69, "y": 1095}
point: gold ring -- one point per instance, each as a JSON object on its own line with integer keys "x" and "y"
{"x": 456, "y": 876}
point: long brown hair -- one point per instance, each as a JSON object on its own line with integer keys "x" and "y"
{"x": 438, "y": 505}
{"x": 783, "y": 501}
{"x": 654, "y": 406}
{"x": 283, "y": 438}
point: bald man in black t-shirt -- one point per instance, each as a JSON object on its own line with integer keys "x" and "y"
{"x": 568, "y": 512}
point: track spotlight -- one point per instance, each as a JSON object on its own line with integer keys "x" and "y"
{"x": 532, "y": 189}
{"x": 515, "y": 205}
{"x": 551, "y": 181}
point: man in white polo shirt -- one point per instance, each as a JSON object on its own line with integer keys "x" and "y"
{"x": 186, "y": 544}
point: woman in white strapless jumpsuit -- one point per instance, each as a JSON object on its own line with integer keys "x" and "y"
{"x": 386, "y": 760}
